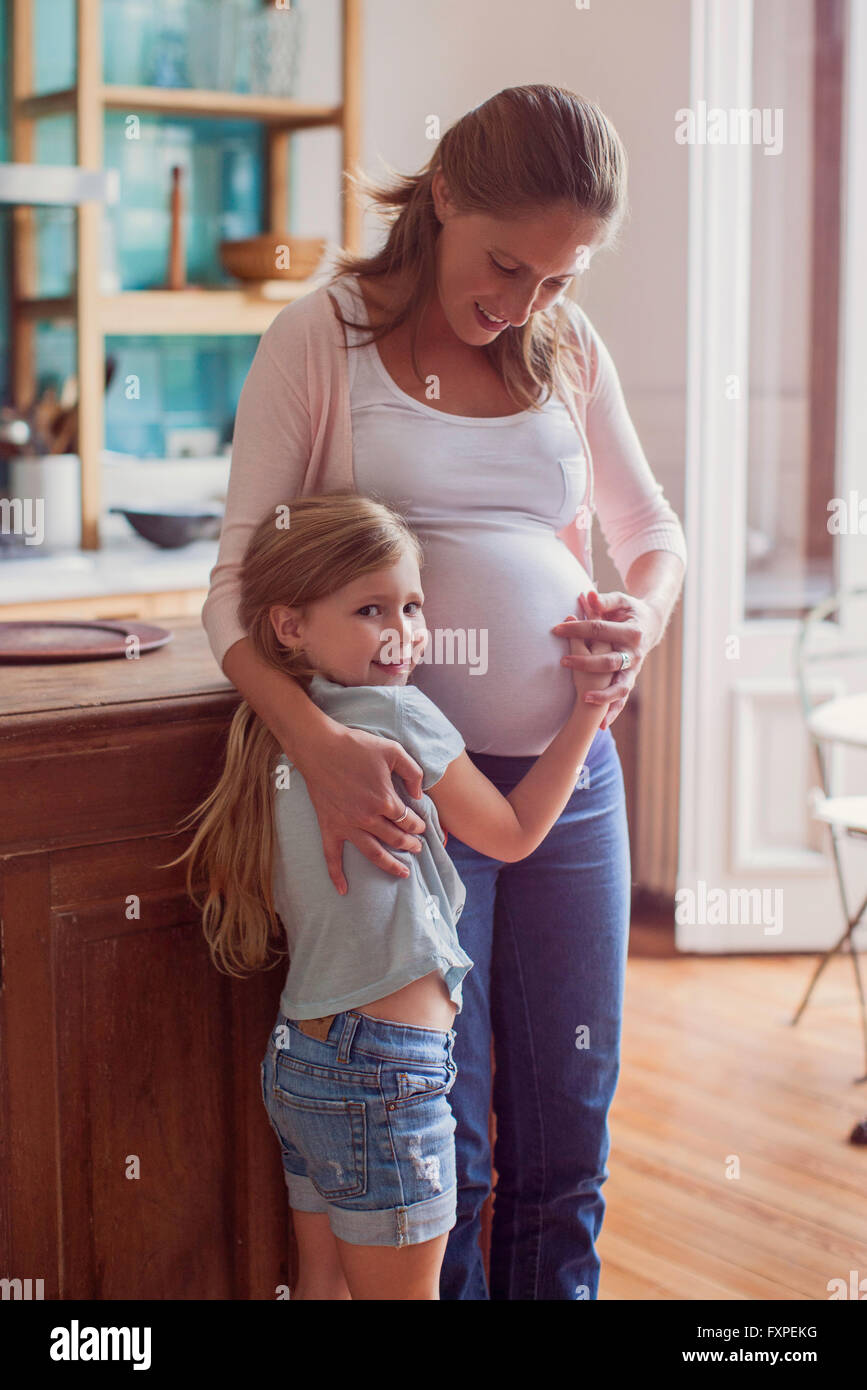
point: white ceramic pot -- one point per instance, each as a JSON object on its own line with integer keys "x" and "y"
{"x": 56, "y": 479}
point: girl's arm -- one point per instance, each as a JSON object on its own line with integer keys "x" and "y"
{"x": 511, "y": 827}
{"x": 347, "y": 771}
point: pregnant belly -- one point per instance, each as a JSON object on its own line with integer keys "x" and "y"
{"x": 492, "y": 664}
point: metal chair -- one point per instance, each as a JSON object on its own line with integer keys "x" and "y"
{"x": 846, "y": 816}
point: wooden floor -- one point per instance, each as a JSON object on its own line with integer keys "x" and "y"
{"x": 712, "y": 1072}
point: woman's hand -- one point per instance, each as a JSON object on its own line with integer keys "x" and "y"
{"x": 623, "y": 623}
{"x": 348, "y": 778}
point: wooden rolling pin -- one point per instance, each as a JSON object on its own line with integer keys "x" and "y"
{"x": 177, "y": 268}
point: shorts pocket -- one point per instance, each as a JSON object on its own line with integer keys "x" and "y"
{"x": 415, "y": 1086}
{"x": 332, "y": 1137}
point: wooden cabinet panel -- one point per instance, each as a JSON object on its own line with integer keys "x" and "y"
{"x": 134, "y": 1098}
{"x": 105, "y": 774}
{"x": 178, "y": 1102}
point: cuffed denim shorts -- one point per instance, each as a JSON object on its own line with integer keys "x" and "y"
{"x": 365, "y": 1126}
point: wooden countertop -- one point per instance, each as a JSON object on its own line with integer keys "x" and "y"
{"x": 183, "y": 669}
{"x": 96, "y": 752}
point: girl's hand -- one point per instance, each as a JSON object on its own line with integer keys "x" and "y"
{"x": 624, "y": 623}
{"x": 348, "y": 778}
{"x": 585, "y": 680}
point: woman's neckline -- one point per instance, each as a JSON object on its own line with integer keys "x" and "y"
{"x": 405, "y": 397}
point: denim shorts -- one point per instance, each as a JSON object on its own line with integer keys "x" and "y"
{"x": 365, "y": 1126}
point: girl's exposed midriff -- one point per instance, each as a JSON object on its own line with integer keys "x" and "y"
{"x": 424, "y": 1003}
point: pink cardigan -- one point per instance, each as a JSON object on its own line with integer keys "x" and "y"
{"x": 293, "y": 437}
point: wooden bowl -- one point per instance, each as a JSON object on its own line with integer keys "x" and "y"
{"x": 256, "y": 258}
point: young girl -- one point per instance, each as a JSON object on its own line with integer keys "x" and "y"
{"x": 359, "y": 1065}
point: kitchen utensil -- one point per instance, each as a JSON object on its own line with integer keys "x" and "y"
{"x": 127, "y": 37}
{"x": 45, "y": 641}
{"x": 55, "y": 479}
{"x": 53, "y": 419}
{"x": 65, "y": 422}
{"x": 14, "y": 432}
{"x": 256, "y": 258}
{"x": 66, "y": 429}
{"x": 169, "y": 55}
{"x": 177, "y": 525}
{"x": 177, "y": 266}
{"x": 212, "y": 59}
{"x": 269, "y": 51}
{"x": 41, "y": 415}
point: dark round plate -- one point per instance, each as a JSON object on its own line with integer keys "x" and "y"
{"x": 86, "y": 640}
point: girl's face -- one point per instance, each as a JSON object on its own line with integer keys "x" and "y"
{"x": 508, "y": 267}
{"x": 371, "y": 632}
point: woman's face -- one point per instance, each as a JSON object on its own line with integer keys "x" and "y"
{"x": 509, "y": 267}
{"x": 371, "y": 632}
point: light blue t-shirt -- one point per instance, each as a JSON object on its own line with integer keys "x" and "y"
{"x": 348, "y": 950}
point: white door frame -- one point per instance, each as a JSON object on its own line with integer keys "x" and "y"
{"x": 738, "y": 677}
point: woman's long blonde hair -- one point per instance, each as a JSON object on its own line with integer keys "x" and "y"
{"x": 300, "y": 552}
{"x": 522, "y": 150}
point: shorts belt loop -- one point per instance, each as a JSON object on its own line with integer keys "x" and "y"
{"x": 344, "y": 1047}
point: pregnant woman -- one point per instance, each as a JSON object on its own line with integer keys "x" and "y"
{"x": 449, "y": 376}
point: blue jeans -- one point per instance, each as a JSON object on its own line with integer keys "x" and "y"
{"x": 548, "y": 937}
{"x": 365, "y": 1127}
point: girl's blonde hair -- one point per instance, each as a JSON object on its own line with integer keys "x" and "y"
{"x": 521, "y": 150}
{"x": 297, "y": 554}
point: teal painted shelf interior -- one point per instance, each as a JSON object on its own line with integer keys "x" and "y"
{"x": 185, "y": 381}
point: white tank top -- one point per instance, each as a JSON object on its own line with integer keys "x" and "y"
{"x": 486, "y": 497}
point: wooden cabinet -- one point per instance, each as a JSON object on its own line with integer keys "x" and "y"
{"x": 137, "y": 1157}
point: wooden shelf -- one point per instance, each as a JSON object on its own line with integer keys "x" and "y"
{"x": 193, "y": 310}
{"x": 60, "y": 307}
{"x": 275, "y": 111}
{"x": 280, "y": 112}
{"x": 45, "y": 104}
